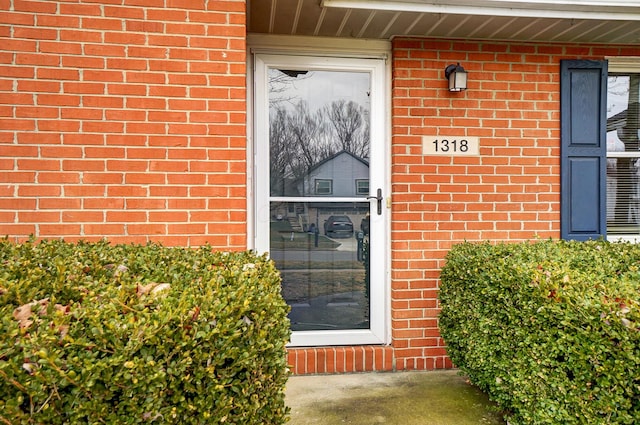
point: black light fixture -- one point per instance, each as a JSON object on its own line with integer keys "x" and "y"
{"x": 457, "y": 77}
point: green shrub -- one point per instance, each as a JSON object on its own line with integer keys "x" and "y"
{"x": 550, "y": 330}
{"x": 94, "y": 333}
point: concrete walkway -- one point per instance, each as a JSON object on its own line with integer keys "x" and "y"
{"x": 402, "y": 398}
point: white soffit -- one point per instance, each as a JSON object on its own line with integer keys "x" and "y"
{"x": 627, "y": 10}
{"x": 584, "y": 21}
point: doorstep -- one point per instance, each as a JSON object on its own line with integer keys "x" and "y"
{"x": 403, "y": 398}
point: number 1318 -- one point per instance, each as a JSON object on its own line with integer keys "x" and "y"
{"x": 452, "y": 146}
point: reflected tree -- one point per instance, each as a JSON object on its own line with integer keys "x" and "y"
{"x": 350, "y": 123}
{"x": 306, "y": 129}
{"x": 279, "y": 135}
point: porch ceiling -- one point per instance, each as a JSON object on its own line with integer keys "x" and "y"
{"x": 591, "y": 21}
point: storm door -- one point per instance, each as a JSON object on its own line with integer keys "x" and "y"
{"x": 321, "y": 193}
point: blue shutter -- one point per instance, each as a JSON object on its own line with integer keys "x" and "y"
{"x": 583, "y": 102}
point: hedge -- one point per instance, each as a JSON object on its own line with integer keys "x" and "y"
{"x": 100, "y": 334}
{"x": 550, "y": 330}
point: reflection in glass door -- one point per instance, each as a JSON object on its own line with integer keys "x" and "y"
{"x": 323, "y": 223}
{"x": 324, "y": 268}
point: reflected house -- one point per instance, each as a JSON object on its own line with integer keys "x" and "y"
{"x": 340, "y": 175}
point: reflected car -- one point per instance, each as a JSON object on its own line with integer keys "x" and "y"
{"x": 338, "y": 226}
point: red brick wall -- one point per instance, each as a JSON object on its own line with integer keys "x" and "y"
{"x": 510, "y": 192}
{"x": 124, "y": 119}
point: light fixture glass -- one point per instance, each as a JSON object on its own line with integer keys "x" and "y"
{"x": 457, "y": 77}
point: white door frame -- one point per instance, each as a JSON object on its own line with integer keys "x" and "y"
{"x": 377, "y": 66}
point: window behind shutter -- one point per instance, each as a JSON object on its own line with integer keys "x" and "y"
{"x": 583, "y": 88}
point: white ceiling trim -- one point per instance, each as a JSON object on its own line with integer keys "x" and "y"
{"x": 624, "y": 63}
{"x": 620, "y": 10}
{"x": 318, "y": 46}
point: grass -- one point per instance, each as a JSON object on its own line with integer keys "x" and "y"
{"x": 292, "y": 241}
{"x": 299, "y": 285}
{"x": 283, "y": 237}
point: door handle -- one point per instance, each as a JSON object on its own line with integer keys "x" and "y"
{"x": 379, "y": 199}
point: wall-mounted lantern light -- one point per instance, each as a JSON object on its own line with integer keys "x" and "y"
{"x": 457, "y": 77}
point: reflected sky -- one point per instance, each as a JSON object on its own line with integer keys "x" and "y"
{"x": 320, "y": 88}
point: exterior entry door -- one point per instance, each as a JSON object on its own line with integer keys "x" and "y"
{"x": 321, "y": 192}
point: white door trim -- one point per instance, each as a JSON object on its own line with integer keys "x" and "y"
{"x": 379, "y": 332}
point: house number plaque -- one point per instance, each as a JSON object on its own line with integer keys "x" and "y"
{"x": 450, "y": 145}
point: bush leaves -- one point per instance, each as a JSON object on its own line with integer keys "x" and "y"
{"x": 127, "y": 334}
{"x": 550, "y": 330}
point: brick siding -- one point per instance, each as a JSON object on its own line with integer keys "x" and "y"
{"x": 124, "y": 119}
